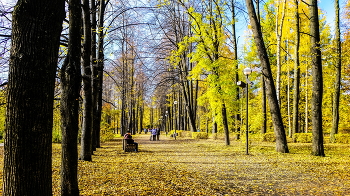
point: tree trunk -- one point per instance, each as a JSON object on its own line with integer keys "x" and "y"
{"x": 86, "y": 135}
{"x": 317, "y": 82}
{"x": 281, "y": 141}
{"x": 70, "y": 95}
{"x": 99, "y": 80}
{"x": 215, "y": 126}
{"x": 336, "y": 97}
{"x": 279, "y": 28}
{"x": 263, "y": 103}
{"x": 36, "y": 30}
{"x": 296, "y": 93}
{"x": 94, "y": 72}
{"x": 225, "y": 124}
{"x": 235, "y": 57}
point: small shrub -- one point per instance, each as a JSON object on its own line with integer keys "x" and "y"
{"x": 217, "y": 136}
{"x": 181, "y": 133}
{"x": 344, "y": 130}
{"x": 236, "y": 136}
{"x": 269, "y": 137}
{"x": 106, "y": 135}
{"x": 302, "y": 137}
{"x": 342, "y": 138}
{"x": 199, "y": 135}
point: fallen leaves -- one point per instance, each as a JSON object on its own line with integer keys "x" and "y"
{"x": 208, "y": 167}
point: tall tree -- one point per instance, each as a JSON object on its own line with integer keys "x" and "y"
{"x": 317, "y": 81}
{"x": 69, "y": 106}
{"x": 281, "y": 141}
{"x": 280, "y": 14}
{"x": 36, "y": 30}
{"x": 86, "y": 135}
{"x": 99, "y": 75}
{"x": 338, "y": 66}
{"x": 296, "y": 93}
{"x": 94, "y": 72}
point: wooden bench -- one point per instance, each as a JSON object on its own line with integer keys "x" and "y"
{"x": 129, "y": 147}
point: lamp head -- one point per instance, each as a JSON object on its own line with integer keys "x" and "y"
{"x": 247, "y": 71}
{"x": 241, "y": 84}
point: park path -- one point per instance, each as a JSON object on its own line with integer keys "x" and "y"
{"x": 208, "y": 167}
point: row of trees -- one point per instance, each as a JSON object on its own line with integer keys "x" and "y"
{"x": 36, "y": 36}
{"x": 292, "y": 50}
{"x": 170, "y": 62}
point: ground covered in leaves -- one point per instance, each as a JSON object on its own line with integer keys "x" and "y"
{"x": 208, "y": 167}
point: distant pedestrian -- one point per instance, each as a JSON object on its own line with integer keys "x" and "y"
{"x": 158, "y": 133}
{"x": 153, "y": 134}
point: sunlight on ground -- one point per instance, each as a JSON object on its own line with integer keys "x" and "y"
{"x": 208, "y": 167}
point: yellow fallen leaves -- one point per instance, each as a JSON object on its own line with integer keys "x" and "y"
{"x": 208, "y": 167}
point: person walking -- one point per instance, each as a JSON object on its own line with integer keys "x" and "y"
{"x": 158, "y": 133}
{"x": 153, "y": 134}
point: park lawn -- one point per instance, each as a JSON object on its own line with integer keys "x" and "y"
{"x": 208, "y": 167}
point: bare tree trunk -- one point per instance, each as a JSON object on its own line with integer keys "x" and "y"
{"x": 281, "y": 141}
{"x": 263, "y": 103}
{"x": 36, "y": 30}
{"x": 225, "y": 124}
{"x": 99, "y": 68}
{"x": 215, "y": 126}
{"x": 296, "y": 93}
{"x": 317, "y": 82}
{"x": 306, "y": 101}
{"x": 86, "y": 135}
{"x": 335, "y": 123}
{"x": 279, "y": 28}
{"x": 69, "y": 105}
{"x": 235, "y": 57}
{"x": 94, "y": 72}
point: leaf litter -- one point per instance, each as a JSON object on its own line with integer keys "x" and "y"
{"x": 209, "y": 167}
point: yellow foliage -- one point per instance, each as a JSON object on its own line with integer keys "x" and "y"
{"x": 199, "y": 135}
{"x": 302, "y": 137}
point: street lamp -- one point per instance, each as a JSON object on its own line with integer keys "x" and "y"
{"x": 166, "y": 122}
{"x": 241, "y": 84}
{"x": 175, "y": 102}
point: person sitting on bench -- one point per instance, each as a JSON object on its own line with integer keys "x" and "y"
{"x": 129, "y": 140}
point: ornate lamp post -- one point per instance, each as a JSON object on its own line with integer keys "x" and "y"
{"x": 166, "y": 122}
{"x": 247, "y": 71}
{"x": 175, "y": 102}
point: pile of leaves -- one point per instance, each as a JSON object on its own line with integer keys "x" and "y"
{"x": 208, "y": 167}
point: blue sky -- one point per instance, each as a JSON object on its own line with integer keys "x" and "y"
{"x": 328, "y": 7}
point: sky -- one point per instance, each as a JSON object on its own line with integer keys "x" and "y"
{"x": 326, "y": 5}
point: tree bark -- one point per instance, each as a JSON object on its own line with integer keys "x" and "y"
{"x": 86, "y": 135}
{"x": 69, "y": 106}
{"x": 100, "y": 67}
{"x": 335, "y": 123}
{"x": 279, "y": 29}
{"x": 317, "y": 82}
{"x": 235, "y": 57}
{"x": 36, "y": 30}
{"x": 296, "y": 93}
{"x": 94, "y": 73}
{"x": 225, "y": 124}
{"x": 281, "y": 141}
{"x": 263, "y": 103}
